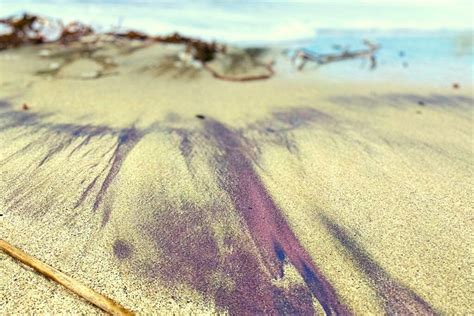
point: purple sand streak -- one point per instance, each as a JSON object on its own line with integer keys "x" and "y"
{"x": 265, "y": 221}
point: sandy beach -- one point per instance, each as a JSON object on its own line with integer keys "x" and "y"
{"x": 170, "y": 191}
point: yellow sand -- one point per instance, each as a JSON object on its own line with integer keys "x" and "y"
{"x": 399, "y": 177}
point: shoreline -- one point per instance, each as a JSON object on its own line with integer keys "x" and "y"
{"x": 363, "y": 62}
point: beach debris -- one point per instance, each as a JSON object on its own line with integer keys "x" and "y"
{"x": 200, "y": 50}
{"x": 23, "y": 30}
{"x": 200, "y": 116}
{"x": 132, "y": 35}
{"x": 93, "y": 297}
{"x": 30, "y": 29}
{"x": 73, "y": 32}
{"x": 456, "y": 85}
{"x": 202, "y": 55}
{"x": 301, "y": 57}
{"x": 199, "y": 53}
{"x": 25, "y": 107}
{"x": 421, "y": 103}
{"x": 203, "y": 51}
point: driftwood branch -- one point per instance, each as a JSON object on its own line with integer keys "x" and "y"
{"x": 57, "y": 276}
{"x": 303, "y": 56}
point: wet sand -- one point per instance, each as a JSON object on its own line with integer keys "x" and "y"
{"x": 171, "y": 191}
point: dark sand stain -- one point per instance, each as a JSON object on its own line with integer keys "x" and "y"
{"x": 240, "y": 280}
{"x": 127, "y": 139}
{"x": 397, "y": 299}
{"x": 59, "y": 138}
{"x": 122, "y": 249}
{"x": 278, "y": 127}
{"x": 295, "y": 301}
{"x": 403, "y": 99}
{"x": 4, "y": 104}
{"x": 11, "y": 119}
{"x": 264, "y": 219}
{"x": 186, "y": 145}
{"x": 234, "y": 280}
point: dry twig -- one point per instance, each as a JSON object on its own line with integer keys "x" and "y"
{"x": 80, "y": 289}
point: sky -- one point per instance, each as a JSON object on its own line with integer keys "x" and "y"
{"x": 247, "y": 20}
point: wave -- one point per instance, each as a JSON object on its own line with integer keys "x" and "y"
{"x": 229, "y": 21}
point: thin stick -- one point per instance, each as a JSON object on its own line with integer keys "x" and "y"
{"x": 88, "y": 294}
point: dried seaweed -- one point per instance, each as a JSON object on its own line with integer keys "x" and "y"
{"x": 24, "y": 30}
{"x": 29, "y": 30}
{"x": 73, "y": 32}
{"x": 200, "y": 50}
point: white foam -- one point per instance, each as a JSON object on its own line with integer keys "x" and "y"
{"x": 243, "y": 21}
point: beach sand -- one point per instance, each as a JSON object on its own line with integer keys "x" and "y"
{"x": 172, "y": 192}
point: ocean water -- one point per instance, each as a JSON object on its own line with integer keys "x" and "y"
{"x": 420, "y": 40}
{"x": 438, "y": 57}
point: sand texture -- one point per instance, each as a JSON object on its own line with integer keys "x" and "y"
{"x": 289, "y": 195}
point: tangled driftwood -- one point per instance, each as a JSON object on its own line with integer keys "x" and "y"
{"x": 303, "y": 56}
